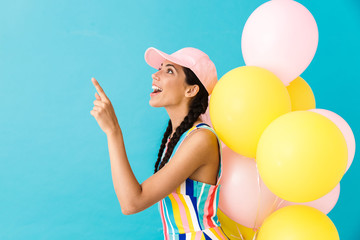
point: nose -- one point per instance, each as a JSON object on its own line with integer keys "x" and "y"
{"x": 155, "y": 76}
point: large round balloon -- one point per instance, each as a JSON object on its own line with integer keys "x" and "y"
{"x": 243, "y": 196}
{"x": 301, "y": 95}
{"x": 298, "y": 222}
{"x": 243, "y": 103}
{"x": 301, "y": 156}
{"x": 344, "y": 128}
{"x": 281, "y": 36}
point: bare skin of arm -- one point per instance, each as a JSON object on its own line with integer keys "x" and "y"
{"x": 133, "y": 197}
{"x": 198, "y": 156}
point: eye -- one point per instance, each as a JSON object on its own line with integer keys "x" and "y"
{"x": 170, "y": 70}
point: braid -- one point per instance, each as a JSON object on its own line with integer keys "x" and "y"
{"x": 163, "y": 142}
{"x": 198, "y": 106}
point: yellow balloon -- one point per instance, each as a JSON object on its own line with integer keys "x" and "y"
{"x": 301, "y": 156}
{"x": 232, "y": 229}
{"x": 298, "y": 222}
{"x": 243, "y": 103}
{"x": 301, "y": 95}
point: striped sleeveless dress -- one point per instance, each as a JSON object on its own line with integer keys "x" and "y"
{"x": 189, "y": 212}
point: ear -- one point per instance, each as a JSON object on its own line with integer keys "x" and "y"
{"x": 192, "y": 90}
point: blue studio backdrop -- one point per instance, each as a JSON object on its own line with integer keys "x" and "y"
{"x": 55, "y": 176}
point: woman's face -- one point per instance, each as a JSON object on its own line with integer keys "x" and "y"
{"x": 171, "y": 79}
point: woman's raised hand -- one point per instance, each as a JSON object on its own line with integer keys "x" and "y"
{"x": 103, "y": 111}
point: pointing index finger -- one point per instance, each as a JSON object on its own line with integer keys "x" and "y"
{"x": 99, "y": 89}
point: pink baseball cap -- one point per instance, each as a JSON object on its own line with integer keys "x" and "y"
{"x": 189, "y": 57}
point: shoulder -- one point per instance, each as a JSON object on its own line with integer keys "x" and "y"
{"x": 202, "y": 138}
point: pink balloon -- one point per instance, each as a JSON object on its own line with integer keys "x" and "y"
{"x": 344, "y": 128}
{"x": 282, "y": 37}
{"x": 324, "y": 204}
{"x": 244, "y": 198}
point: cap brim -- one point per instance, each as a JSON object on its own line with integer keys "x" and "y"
{"x": 155, "y": 57}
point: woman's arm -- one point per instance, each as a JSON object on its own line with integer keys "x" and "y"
{"x": 125, "y": 183}
{"x": 195, "y": 151}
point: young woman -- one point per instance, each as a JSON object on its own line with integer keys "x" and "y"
{"x": 188, "y": 168}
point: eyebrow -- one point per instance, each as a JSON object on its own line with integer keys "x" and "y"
{"x": 169, "y": 65}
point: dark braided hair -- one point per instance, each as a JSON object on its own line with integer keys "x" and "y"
{"x": 198, "y": 106}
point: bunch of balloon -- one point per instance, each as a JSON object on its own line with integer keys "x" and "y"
{"x": 283, "y": 159}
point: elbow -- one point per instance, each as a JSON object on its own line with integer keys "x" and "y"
{"x": 129, "y": 206}
{"x": 125, "y": 211}
{"x": 128, "y": 211}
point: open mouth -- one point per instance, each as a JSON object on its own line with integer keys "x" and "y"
{"x": 156, "y": 89}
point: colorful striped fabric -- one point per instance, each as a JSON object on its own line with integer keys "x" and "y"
{"x": 190, "y": 211}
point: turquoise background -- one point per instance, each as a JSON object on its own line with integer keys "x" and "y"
{"x": 55, "y": 178}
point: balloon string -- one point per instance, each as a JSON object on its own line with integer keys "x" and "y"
{"x": 240, "y": 235}
{"x": 280, "y": 203}
{"x": 274, "y": 203}
{"x": 273, "y": 207}
{"x": 259, "y": 198}
{"x": 233, "y": 236}
{"x": 255, "y": 235}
